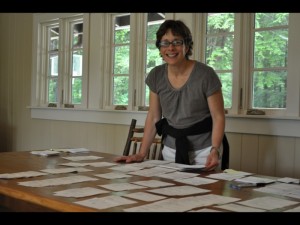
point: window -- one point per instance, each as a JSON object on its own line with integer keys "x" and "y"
{"x": 260, "y": 40}
{"x": 125, "y": 49}
{"x": 121, "y": 54}
{"x": 154, "y": 20}
{"x": 95, "y": 62}
{"x": 269, "y": 60}
{"x": 219, "y": 50}
{"x": 60, "y": 62}
{"x": 52, "y": 42}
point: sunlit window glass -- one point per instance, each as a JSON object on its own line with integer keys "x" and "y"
{"x": 219, "y": 50}
{"x": 121, "y": 50}
{"x": 270, "y": 60}
{"x": 154, "y": 20}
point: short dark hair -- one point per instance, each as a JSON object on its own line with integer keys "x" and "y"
{"x": 177, "y": 28}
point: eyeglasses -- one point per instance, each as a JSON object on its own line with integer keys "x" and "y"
{"x": 166, "y": 44}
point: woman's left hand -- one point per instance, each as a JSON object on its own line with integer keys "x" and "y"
{"x": 212, "y": 161}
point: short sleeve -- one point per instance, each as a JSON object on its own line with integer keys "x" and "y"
{"x": 212, "y": 83}
{"x": 150, "y": 80}
{"x": 155, "y": 78}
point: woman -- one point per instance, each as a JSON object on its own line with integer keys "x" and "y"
{"x": 187, "y": 95}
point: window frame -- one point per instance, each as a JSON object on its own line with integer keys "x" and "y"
{"x": 243, "y": 56}
{"x": 137, "y": 61}
{"x": 39, "y": 96}
{"x": 97, "y": 110}
{"x": 113, "y": 48}
{"x": 252, "y": 70}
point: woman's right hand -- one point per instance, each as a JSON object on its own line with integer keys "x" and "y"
{"x": 131, "y": 158}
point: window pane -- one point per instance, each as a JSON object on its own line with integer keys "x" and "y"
{"x": 270, "y": 49}
{"x": 269, "y": 89}
{"x": 52, "y": 90}
{"x": 54, "y": 38}
{"x": 153, "y": 57}
{"x": 147, "y": 96}
{"x": 219, "y": 52}
{"x": 53, "y": 65}
{"x": 226, "y": 80}
{"x": 271, "y": 19}
{"x": 122, "y": 29}
{"x": 122, "y": 36}
{"x": 120, "y": 90}
{"x": 153, "y": 22}
{"x": 77, "y": 35}
{"x": 220, "y": 23}
{"x": 77, "y": 63}
{"x": 270, "y": 60}
{"x": 76, "y": 90}
{"x": 76, "y": 32}
{"x": 121, "y": 62}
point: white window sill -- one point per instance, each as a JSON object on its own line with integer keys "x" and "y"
{"x": 256, "y": 124}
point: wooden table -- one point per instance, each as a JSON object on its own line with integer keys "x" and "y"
{"x": 21, "y": 198}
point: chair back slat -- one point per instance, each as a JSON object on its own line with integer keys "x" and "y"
{"x": 153, "y": 154}
{"x": 135, "y": 136}
{"x": 130, "y": 135}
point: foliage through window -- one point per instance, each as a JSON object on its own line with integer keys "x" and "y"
{"x": 219, "y": 50}
{"x": 270, "y": 52}
{"x": 267, "y": 71}
{"x": 122, "y": 58}
{"x": 153, "y": 59}
{"x": 60, "y": 57}
{"x": 104, "y": 63}
{"x": 121, "y": 49}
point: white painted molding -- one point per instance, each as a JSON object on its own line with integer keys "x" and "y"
{"x": 264, "y": 125}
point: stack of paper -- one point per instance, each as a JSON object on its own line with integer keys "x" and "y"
{"x": 45, "y": 153}
{"x": 71, "y": 150}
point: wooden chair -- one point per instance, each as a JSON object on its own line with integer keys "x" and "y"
{"x": 133, "y": 143}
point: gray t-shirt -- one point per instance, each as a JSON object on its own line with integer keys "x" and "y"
{"x": 187, "y": 105}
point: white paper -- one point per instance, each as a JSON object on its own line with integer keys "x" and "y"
{"x": 105, "y": 202}
{"x": 112, "y": 175}
{"x": 121, "y": 186}
{"x": 45, "y": 153}
{"x": 239, "y": 208}
{"x": 66, "y": 170}
{"x": 25, "y": 174}
{"x": 101, "y": 164}
{"x": 143, "y": 196}
{"x": 196, "y": 181}
{"x": 289, "y": 180}
{"x": 255, "y": 180}
{"x": 153, "y": 183}
{"x": 57, "y": 181}
{"x": 179, "y": 190}
{"x": 80, "y": 192}
{"x": 283, "y": 189}
{"x": 151, "y": 171}
{"x": 182, "y": 204}
{"x": 177, "y": 175}
{"x": 268, "y": 203}
{"x": 82, "y": 158}
{"x": 225, "y": 176}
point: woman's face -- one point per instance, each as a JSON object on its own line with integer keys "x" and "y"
{"x": 172, "y": 48}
